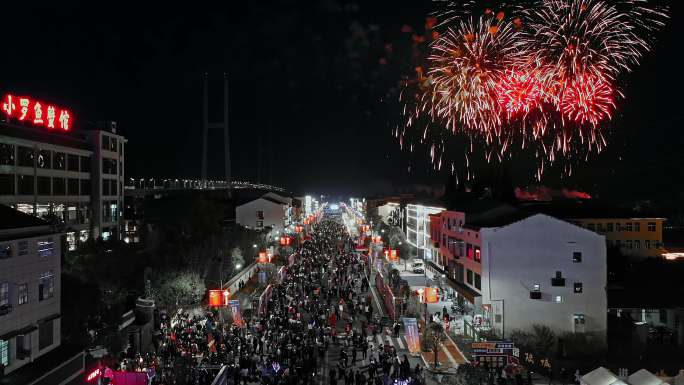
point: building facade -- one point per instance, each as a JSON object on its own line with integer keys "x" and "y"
{"x": 71, "y": 178}
{"x": 638, "y": 237}
{"x": 30, "y": 271}
{"x": 517, "y": 269}
{"x": 264, "y": 212}
{"x": 418, "y": 230}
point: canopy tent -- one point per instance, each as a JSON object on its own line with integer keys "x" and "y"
{"x": 601, "y": 376}
{"x": 644, "y": 377}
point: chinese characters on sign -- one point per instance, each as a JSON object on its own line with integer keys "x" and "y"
{"x": 25, "y": 109}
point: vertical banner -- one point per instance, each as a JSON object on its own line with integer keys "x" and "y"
{"x": 263, "y": 277}
{"x": 412, "y": 337}
{"x": 291, "y": 259}
{"x": 235, "y": 309}
{"x": 263, "y": 300}
{"x": 282, "y": 274}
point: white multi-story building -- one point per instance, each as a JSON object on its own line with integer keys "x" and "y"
{"x": 30, "y": 313}
{"x": 520, "y": 268}
{"x": 72, "y": 178}
{"x": 418, "y": 229}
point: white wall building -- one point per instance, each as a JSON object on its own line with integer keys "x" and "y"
{"x": 544, "y": 270}
{"x": 418, "y": 229}
{"x": 30, "y": 314}
{"x": 263, "y": 212}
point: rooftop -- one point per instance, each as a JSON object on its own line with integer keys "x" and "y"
{"x": 13, "y": 219}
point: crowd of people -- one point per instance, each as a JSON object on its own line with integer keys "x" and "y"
{"x": 317, "y": 321}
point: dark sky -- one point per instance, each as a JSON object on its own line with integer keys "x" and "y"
{"x": 307, "y": 72}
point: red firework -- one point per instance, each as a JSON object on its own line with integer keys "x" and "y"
{"x": 588, "y": 99}
{"x": 519, "y": 92}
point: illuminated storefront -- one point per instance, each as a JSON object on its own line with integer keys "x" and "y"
{"x": 66, "y": 173}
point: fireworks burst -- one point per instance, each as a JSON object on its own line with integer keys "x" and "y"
{"x": 542, "y": 75}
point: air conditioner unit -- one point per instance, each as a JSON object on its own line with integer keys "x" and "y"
{"x": 5, "y": 309}
{"x": 535, "y": 295}
{"x": 558, "y": 282}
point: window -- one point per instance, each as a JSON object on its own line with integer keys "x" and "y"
{"x": 105, "y": 142}
{"x": 23, "y": 344}
{"x": 85, "y": 164}
{"x": 577, "y": 256}
{"x": 5, "y": 251}
{"x": 59, "y": 161}
{"x": 23, "y": 293}
{"x": 23, "y": 247}
{"x": 46, "y": 247}
{"x": 45, "y": 335}
{"x": 637, "y": 244}
{"x": 478, "y": 281}
{"x": 44, "y": 159}
{"x": 478, "y": 258}
{"x": 6, "y": 154}
{"x": 4, "y": 353}
{"x": 72, "y": 162}
{"x": 4, "y": 294}
{"x": 44, "y": 185}
{"x": 628, "y": 226}
{"x": 647, "y": 244}
{"x": 58, "y": 186}
{"x": 259, "y": 223}
{"x": 46, "y": 286}
{"x": 260, "y": 215}
{"x": 651, "y": 226}
{"x": 599, "y": 227}
{"x": 578, "y": 287}
{"x": 558, "y": 281}
{"x": 663, "y": 316}
{"x": 85, "y": 186}
{"x": 559, "y": 299}
{"x": 25, "y": 184}
{"x": 27, "y": 156}
{"x": 591, "y": 226}
{"x": 469, "y": 276}
{"x": 112, "y": 187}
{"x": 536, "y": 287}
{"x": 618, "y": 243}
{"x": 617, "y": 227}
{"x": 628, "y": 244}
{"x": 108, "y": 166}
{"x": 72, "y": 186}
{"x": 6, "y": 184}
{"x": 637, "y": 226}
{"x": 113, "y": 144}
{"x": 609, "y": 227}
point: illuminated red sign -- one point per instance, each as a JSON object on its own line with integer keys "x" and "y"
{"x": 285, "y": 241}
{"x": 218, "y": 298}
{"x": 25, "y": 109}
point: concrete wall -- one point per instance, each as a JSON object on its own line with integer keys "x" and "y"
{"x": 517, "y": 256}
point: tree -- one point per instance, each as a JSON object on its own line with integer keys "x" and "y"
{"x": 397, "y": 240}
{"x": 544, "y": 339}
{"x": 172, "y": 289}
{"x": 433, "y": 337}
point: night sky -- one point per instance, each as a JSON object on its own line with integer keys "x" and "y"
{"x": 308, "y": 88}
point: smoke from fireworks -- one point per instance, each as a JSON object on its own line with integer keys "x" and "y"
{"x": 540, "y": 76}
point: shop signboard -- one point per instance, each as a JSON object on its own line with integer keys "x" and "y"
{"x": 496, "y": 354}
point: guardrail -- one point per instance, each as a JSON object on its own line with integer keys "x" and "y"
{"x": 233, "y": 285}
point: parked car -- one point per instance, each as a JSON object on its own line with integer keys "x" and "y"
{"x": 419, "y": 269}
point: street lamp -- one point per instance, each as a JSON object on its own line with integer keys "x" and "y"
{"x": 254, "y": 246}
